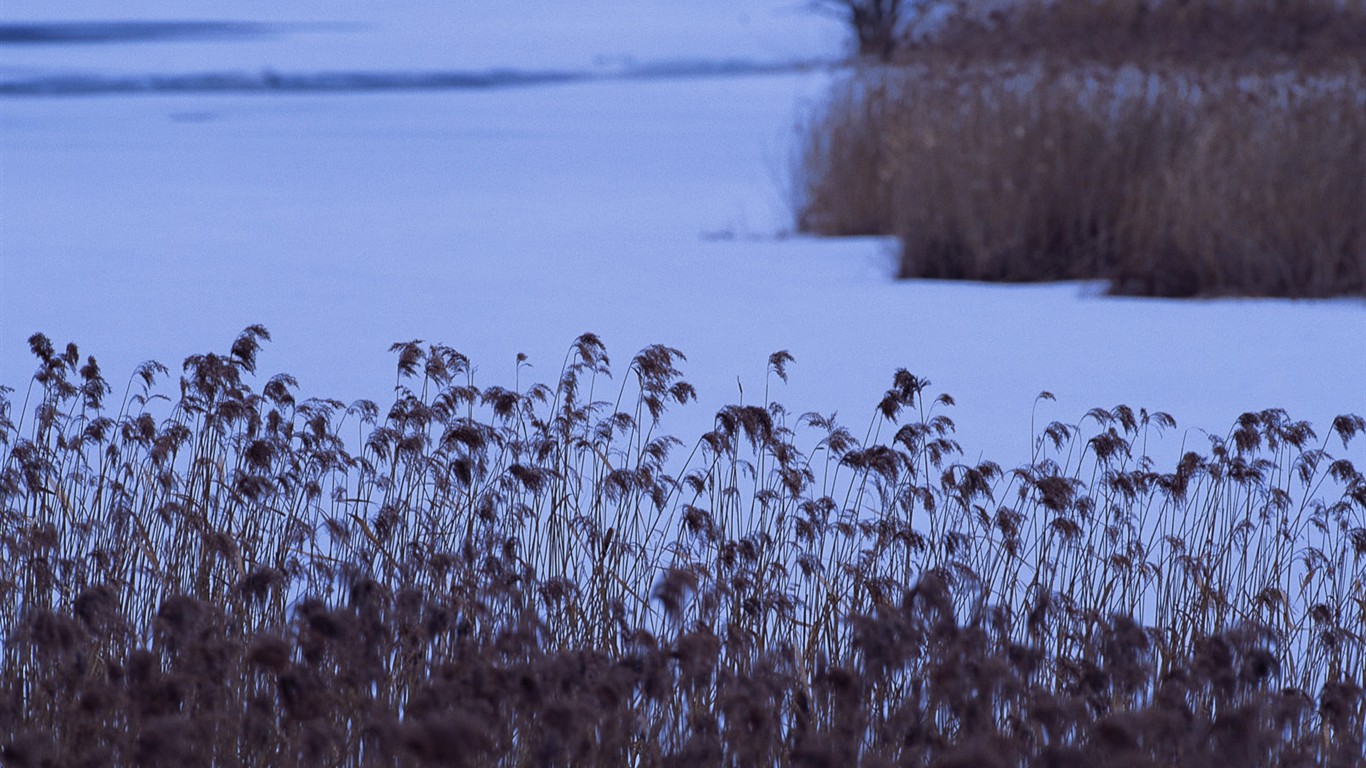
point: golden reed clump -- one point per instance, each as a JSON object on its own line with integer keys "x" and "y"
{"x": 1198, "y": 148}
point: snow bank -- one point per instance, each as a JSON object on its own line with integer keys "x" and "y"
{"x": 506, "y": 221}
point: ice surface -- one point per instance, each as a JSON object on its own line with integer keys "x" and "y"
{"x": 506, "y": 221}
{"x": 430, "y": 34}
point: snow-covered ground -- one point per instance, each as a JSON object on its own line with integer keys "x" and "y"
{"x": 358, "y": 35}
{"x": 510, "y": 220}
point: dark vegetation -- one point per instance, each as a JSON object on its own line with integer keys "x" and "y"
{"x": 879, "y": 27}
{"x": 538, "y": 576}
{"x": 1174, "y": 148}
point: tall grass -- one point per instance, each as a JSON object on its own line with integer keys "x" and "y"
{"x": 1301, "y": 34}
{"x": 1057, "y": 143}
{"x": 1170, "y": 184}
{"x": 488, "y": 576}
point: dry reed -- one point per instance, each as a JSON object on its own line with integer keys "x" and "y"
{"x": 485, "y": 576}
{"x": 1164, "y": 175}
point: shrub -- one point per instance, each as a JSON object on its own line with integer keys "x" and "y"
{"x": 877, "y": 25}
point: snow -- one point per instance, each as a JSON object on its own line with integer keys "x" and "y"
{"x": 511, "y": 220}
{"x": 431, "y": 34}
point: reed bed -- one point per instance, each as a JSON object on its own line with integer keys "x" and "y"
{"x": 1313, "y": 33}
{"x": 478, "y": 575}
{"x": 1303, "y": 34}
{"x": 1026, "y": 150}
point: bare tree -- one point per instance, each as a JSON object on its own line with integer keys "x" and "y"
{"x": 878, "y": 25}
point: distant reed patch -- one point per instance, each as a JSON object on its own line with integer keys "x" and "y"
{"x": 1167, "y": 170}
{"x": 226, "y": 572}
{"x": 1307, "y": 35}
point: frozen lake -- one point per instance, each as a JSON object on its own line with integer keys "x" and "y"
{"x": 408, "y": 35}
{"x": 511, "y": 220}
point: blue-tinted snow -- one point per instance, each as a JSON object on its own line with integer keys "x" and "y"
{"x": 506, "y": 221}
